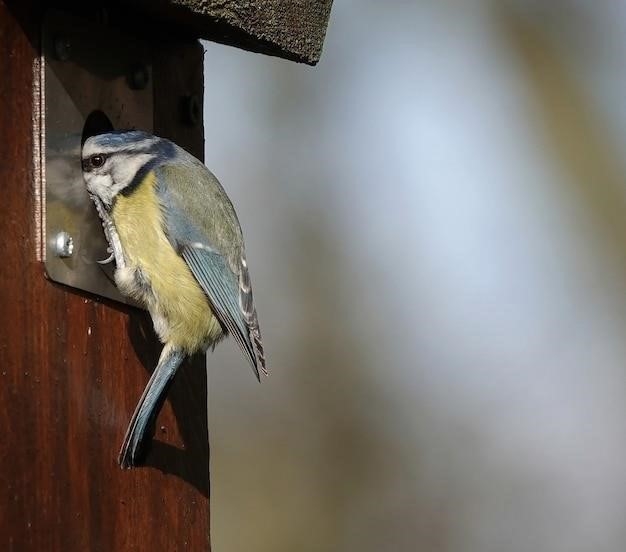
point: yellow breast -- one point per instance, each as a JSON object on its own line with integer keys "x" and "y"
{"x": 178, "y": 306}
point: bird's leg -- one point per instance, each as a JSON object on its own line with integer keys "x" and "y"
{"x": 111, "y": 235}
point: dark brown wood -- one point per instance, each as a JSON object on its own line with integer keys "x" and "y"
{"x": 293, "y": 29}
{"x": 72, "y": 368}
{"x": 178, "y": 86}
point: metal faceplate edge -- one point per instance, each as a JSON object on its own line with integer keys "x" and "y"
{"x": 89, "y": 70}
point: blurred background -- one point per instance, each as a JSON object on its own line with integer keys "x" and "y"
{"x": 435, "y": 219}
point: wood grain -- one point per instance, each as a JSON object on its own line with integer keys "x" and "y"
{"x": 72, "y": 368}
{"x": 292, "y": 29}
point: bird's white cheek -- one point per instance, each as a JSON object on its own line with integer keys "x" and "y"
{"x": 126, "y": 168}
{"x": 100, "y": 185}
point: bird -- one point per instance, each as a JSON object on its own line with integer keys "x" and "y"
{"x": 178, "y": 249}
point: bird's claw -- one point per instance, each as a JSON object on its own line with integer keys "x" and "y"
{"x": 110, "y": 258}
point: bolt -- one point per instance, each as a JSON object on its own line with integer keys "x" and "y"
{"x": 62, "y": 48}
{"x": 139, "y": 76}
{"x": 63, "y": 245}
{"x": 191, "y": 110}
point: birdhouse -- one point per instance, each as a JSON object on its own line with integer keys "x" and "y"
{"x": 74, "y": 353}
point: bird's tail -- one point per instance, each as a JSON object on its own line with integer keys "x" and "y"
{"x": 141, "y": 425}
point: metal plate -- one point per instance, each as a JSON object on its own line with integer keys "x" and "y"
{"x": 89, "y": 71}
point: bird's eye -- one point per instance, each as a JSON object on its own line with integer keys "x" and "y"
{"x": 97, "y": 160}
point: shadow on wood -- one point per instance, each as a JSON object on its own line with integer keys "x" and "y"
{"x": 187, "y": 457}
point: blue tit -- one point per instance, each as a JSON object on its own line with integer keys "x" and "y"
{"x": 178, "y": 250}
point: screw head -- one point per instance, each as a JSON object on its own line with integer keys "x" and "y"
{"x": 191, "y": 110}
{"x": 62, "y": 48}
{"x": 63, "y": 245}
{"x": 138, "y": 77}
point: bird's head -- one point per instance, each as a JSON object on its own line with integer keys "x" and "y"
{"x": 112, "y": 162}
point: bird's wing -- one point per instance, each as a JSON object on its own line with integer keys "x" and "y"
{"x": 201, "y": 224}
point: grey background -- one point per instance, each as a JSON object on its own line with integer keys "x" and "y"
{"x": 434, "y": 219}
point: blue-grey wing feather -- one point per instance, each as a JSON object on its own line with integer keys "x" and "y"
{"x": 201, "y": 224}
{"x": 218, "y": 283}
